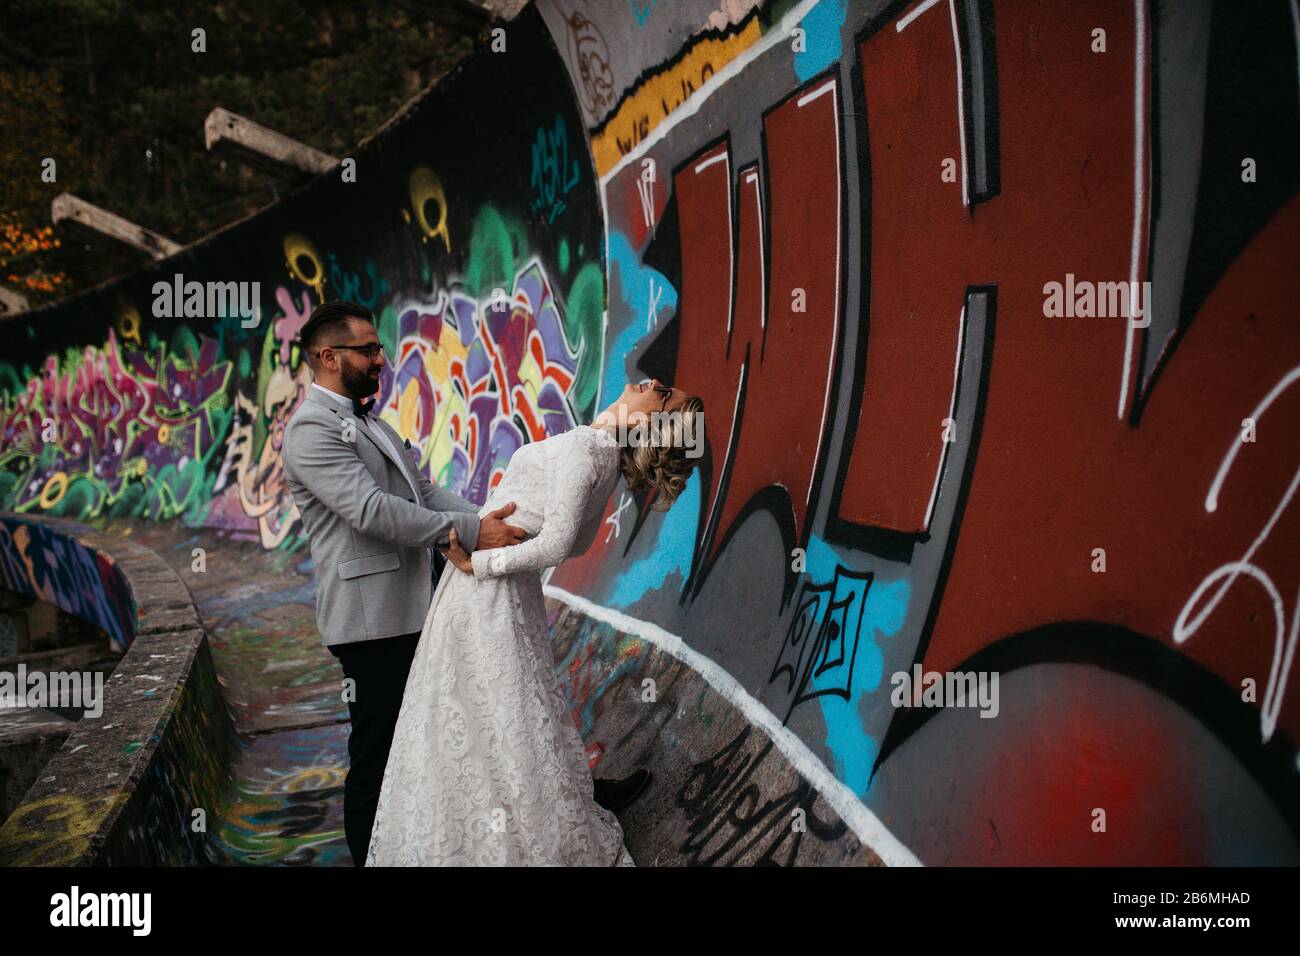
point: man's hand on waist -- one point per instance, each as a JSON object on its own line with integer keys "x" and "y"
{"x": 493, "y": 532}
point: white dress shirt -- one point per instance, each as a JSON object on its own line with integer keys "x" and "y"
{"x": 379, "y": 433}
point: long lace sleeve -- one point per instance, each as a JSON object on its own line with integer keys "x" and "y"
{"x": 570, "y": 474}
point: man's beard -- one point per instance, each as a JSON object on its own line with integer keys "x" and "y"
{"x": 359, "y": 384}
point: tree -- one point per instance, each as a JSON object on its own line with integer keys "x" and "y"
{"x": 114, "y": 92}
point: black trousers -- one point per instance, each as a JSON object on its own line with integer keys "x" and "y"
{"x": 379, "y": 669}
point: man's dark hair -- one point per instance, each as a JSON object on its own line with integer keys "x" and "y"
{"x": 329, "y": 317}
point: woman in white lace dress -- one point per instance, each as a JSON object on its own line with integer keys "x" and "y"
{"x": 487, "y": 767}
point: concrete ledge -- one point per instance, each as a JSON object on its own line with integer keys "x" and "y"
{"x": 123, "y": 789}
{"x": 242, "y": 138}
{"x": 11, "y": 303}
{"x": 29, "y": 737}
{"x": 67, "y": 208}
{"x": 120, "y": 586}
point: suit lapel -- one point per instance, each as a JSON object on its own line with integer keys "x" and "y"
{"x": 324, "y": 401}
{"x": 375, "y": 423}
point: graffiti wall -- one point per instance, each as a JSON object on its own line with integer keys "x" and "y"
{"x": 989, "y": 303}
{"x": 887, "y": 244}
{"x": 471, "y": 231}
{"x": 43, "y": 563}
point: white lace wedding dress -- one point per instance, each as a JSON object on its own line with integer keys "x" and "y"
{"x": 487, "y": 767}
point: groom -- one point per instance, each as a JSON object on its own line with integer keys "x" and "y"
{"x": 371, "y": 517}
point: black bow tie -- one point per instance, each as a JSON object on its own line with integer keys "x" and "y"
{"x": 362, "y": 409}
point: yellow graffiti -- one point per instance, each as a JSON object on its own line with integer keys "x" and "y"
{"x": 426, "y": 186}
{"x": 660, "y": 94}
{"x": 298, "y": 247}
{"x": 128, "y": 324}
{"x": 308, "y": 779}
{"x": 22, "y": 542}
{"x": 408, "y": 409}
{"x": 439, "y": 446}
{"x": 259, "y": 480}
{"x": 530, "y": 376}
{"x": 55, "y": 488}
{"x": 55, "y": 831}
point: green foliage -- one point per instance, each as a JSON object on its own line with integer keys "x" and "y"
{"x": 114, "y": 92}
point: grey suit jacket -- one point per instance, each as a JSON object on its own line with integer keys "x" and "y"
{"x": 369, "y": 537}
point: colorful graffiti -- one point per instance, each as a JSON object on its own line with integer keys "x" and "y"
{"x": 53, "y": 567}
{"x": 632, "y": 68}
{"x": 837, "y": 224}
{"x": 844, "y": 248}
{"x": 492, "y": 344}
{"x": 285, "y": 805}
{"x": 489, "y": 295}
{"x": 477, "y": 381}
{"x": 113, "y": 430}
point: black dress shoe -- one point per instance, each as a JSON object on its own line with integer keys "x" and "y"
{"x": 617, "y": 794}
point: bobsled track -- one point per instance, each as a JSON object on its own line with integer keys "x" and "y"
{"x": 885, "y": 243}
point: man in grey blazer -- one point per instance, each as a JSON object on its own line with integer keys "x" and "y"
{"x": 371, "y": 518}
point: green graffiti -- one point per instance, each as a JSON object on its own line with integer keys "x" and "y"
{"x": 496, "y": 245}
{"x": 103, "y": 432}
{"x": 387, "y": 327}
{"x": 584, "y": 323}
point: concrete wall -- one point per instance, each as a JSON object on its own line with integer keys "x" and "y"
{"x": 844, "y": 240}
{"x": 29, "y": 737}
{"x": 139, "y": 783}
{"x": 66, "y": 574}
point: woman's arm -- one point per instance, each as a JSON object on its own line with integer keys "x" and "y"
{"x": 569, "y": 478}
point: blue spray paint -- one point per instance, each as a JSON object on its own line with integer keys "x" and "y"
{"x": 630, "y": 285}
{"x": 853, "y": 749}
{"x": 641, "y": 9}
{"x": 821, "y": 29}
{"x": 674, "y": 547}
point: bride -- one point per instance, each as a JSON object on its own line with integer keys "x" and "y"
{"x": 487, "y": 767}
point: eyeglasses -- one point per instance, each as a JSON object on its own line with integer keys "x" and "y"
{"x": 667, "y": 392}
{"x": 370, "y": 351}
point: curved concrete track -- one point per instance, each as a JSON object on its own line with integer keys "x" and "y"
{"x": 991, "y": 305}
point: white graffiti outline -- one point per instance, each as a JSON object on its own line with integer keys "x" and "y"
{"x": 1284, "y": 645}
{"x": 615, "y": 528}
{"x": 1139, "y": 194}
{"x": 868, "y": 828}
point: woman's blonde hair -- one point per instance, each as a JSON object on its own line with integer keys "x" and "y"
{"x": 658, "y": 461}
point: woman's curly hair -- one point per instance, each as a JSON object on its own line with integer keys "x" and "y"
{"x": 659, "y": 461}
